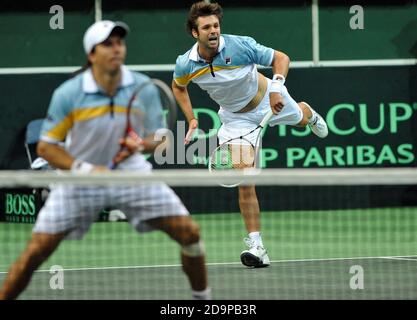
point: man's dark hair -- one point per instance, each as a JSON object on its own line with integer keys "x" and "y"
{"x": 202, "y": 9}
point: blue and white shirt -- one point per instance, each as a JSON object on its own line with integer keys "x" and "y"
{"x": 235, "y": 80}
{"x": 91, "y": 123}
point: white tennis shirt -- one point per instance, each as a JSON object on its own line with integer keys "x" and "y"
{"x": 92, "y": 123}
{"x": 232, "y": 79}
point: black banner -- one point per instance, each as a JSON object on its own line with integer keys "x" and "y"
{"x": 20, "y": 205}
{"x": 370, "y": 112}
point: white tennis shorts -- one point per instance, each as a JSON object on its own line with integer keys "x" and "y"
{"x": 74, "y": 209}
{"x": 236, "y": 124}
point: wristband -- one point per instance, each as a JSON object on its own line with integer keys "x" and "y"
{"x": 278, "y": 81}
{"x": 278, "y": 76}
{"x": 79, "y": 166}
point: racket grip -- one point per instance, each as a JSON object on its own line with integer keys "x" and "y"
{"x": 265, "y": 120}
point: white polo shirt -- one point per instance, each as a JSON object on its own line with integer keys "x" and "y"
{"x": 92, "y": 123}
{"x": 232, "y": 79}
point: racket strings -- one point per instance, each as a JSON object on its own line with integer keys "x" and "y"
{"x": 239, "y": 153}
{"x": 233, "y": 156}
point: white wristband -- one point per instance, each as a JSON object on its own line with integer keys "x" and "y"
{"x": 278, "y": 76}
{"x": 278, "y": 81}
{"x": 79, "y": 166}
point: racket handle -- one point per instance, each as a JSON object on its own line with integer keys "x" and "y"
{"x": 265, "y": 120}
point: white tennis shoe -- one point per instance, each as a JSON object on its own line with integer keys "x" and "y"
{"x": 256, "y": 256}
{"x": 317, "y": 124}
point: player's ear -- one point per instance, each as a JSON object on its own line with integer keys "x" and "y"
{"x": 91, "y": 56}
{"x": 194, "y": 32}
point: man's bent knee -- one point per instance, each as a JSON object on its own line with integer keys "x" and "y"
{"x": 193, "y": 250}
{"x": 189, "y": 233}
{"x": 180, "y": 228}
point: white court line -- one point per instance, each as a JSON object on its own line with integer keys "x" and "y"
{"x": 400, "y": 258}
{"x": 230, "y": 263}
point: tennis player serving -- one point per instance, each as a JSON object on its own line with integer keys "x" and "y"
{"x": 225, "y": 67}
{"x": 89, "y": 113}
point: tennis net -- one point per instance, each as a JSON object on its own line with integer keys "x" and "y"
{"x": 329, "y": 233}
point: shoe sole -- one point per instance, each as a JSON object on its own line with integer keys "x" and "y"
{"x": 250, "y": 260}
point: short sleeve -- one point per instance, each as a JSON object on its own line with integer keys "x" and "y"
{"x": 259, "y": 53}
{"x": 59, "y": 119}
{"x": 154, "y": 113}
{"x": 181, "y": 76}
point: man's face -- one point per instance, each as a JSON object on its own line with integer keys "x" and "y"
{"x": 110, "y": 54}
{"x": 208, "y": 31}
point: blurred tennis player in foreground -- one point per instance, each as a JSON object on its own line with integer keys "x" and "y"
{"x": 90, "y": 111}
{"x": 225, "y": 67}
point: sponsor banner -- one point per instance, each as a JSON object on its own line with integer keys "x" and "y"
{"x": 372, "y": 123}
{"x": 20, "y": 205}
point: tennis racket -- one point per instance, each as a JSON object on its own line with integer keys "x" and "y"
{"x": 150, "y": 95}
{"x": 238, "y": 153}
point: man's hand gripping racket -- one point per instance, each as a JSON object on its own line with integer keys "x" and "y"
{"x": 161, "y": 95}
{"x": 129, "y": 145}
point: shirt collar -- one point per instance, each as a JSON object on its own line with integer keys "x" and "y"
{"x": 90, "y": 85}
{"x": 194, "y": 50}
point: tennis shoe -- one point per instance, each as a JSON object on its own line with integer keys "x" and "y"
{"x": 256, "y": 256}
{"x": 317, "y": 124}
